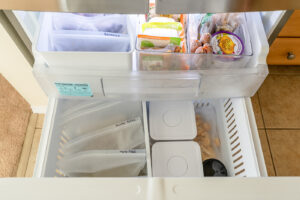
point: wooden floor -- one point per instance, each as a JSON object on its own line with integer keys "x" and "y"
{"x": 31, "y": 145}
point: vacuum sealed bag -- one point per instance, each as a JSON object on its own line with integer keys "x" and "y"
{"x": 125, "y": 135}
{"x": 89, "y": 41}
{"x": 98, "y": 117}
{"x": 207, "y": 131}
{"x": 103, "y": 163}
{"x": 113, "y": 23}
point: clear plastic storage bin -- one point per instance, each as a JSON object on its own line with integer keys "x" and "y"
{"x": 85, "y": 41}
{"x": 255, "y": 52}
{"x": 240, "y": 76}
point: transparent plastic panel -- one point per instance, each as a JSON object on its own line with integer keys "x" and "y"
{"x": 254, "y": 51}
{"x": 100, "y": 160}
{"x": 89, "y": 41}
{"x": 153, "y": 86}
{"x": 155, "y": 75}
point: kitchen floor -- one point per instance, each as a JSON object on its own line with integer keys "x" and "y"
{"x": 276, "y": 106}
{"x": 277, "y": 111}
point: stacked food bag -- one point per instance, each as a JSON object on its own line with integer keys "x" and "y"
{"x": 90, "y": 32}
{"x": 161, "y": 37}
{"x": 113, "y": 145}
{"x": 163, "y": 33}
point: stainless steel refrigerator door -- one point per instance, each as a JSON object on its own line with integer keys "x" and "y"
{"x": 141, "y": 6}
{"x": 196, "y": 6}
{"x": 92, "y": 6}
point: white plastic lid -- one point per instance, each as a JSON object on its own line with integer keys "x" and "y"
{"x": 176, "y": 159}
{"x": 172, "y": 120}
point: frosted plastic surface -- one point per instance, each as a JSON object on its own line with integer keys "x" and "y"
{"x": 103, "y": 163}
{"x": 99, "y": 117}
{"x": 121, "y": 136}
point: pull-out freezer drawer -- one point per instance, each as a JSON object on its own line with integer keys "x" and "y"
{"x": 240, "y": 146}
{"x": 124, "y": 75}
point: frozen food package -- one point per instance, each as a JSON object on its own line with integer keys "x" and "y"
{"x": 109, "y": 163}
{"x": 207, "y": 131}
{"x": 98, "y": 117}
{"x": 163, "y": 44}
{"x": 125, "y": 135}
{"x": 114, "y": 23}
{"x": 193, "y": 33}
{"x": 162, "y": 35}
{"x": 89, "y": 41}
{"x": 221, "y": 33}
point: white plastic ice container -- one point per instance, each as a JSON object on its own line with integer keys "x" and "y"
{"x": 172, "y": 120}
{"x": 176, "y": 159}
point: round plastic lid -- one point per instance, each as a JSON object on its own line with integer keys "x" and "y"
{"x": 172, "y": 120}
{"x": 177, "y": 166}
{"x": 176, "y": 159}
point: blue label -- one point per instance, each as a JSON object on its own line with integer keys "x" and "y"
{"x": 74, "y": 89}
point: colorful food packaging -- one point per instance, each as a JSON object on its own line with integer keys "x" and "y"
{"x": 160, "y": 38}
{"x": 215, "y": 33}
{"x": 224, "y": 42}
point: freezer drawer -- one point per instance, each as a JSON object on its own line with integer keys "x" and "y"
{"x": 242, "y": 154}
{"x": 123, "y": 75}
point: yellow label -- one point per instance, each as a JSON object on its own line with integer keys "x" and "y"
{"x": 226, "y": 44}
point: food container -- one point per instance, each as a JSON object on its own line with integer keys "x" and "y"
{"x": 172, "y": 120}
{"x": 176, "y": 159}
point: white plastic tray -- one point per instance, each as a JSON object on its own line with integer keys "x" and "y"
{"x": 44, "y": 52}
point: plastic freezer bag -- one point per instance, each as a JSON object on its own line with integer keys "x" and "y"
{"x": 103, "y": 163}
{"x": 90, "y": 22}
{"x": 98, "y": 117}
{"x": 89, "y": 41}
{"x": 125, "y": 135}
{"x": 207, "y": 130}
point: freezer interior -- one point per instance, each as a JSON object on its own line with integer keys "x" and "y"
{"x": 63, "y": 55}
{"x": 68, "y": 156}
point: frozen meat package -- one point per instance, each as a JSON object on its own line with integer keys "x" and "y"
{"x": 124, "y": 135}
{"x": 207, "y": 131}
{"x": 109, "y": 163}
{"x": 221, "y": 33}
